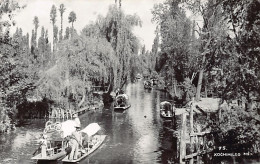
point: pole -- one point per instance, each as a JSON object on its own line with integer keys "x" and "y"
{"x": 191, "y": 130}
{"x": 182, "y": 138}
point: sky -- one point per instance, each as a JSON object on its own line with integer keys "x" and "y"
{"x": 86, "y": 11}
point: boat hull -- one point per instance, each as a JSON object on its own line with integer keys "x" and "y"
{"x": 122, "y": 107}
{"x": 89, "y": 151}
{"x": 50, "y": 158}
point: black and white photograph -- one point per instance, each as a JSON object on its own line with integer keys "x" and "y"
{"x": 130, "y": 81}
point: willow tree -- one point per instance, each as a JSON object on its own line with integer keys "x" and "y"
{"x": 83, "y": 59}
{"x": 118, "y": 30}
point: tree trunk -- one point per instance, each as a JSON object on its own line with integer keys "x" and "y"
{"x": 202, "y": 70}
{"x": 199, "y": 84}
{"x": 53, "y": 37}
{"x": 61, "y": 26}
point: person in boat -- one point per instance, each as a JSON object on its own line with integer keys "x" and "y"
{"x": 76, "y": 119}
{"x": 163, "y": 112}
{"x": 44, "y": 145}
{"x": 75, "y": 142}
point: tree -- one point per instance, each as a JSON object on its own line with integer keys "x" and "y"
{"x": 213, "y": 25}
{"x": 120, "y": 35}
{"x": 176, "y": 60}
{"x": 242, "y": 50}
{"x": 62, "y": 9}
{"x": 117, "y": 28}
{"x": 67, "y": 33}
{"x": 53, "y": 16}
{"x": 13, "y": 63}
{"x": 36, "y": 25}
{"x": 72, "y": 18}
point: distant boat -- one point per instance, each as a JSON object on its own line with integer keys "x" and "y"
{"x": 91, "y": 146}
{"x": 54, "y": 140}
{"x": 138, "y": 76}
{"x": 166, "y": 110}
{"x": 122, "y": 102}
{"x": 147, "y": 84}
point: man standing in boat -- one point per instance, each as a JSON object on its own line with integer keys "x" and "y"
{"x": 75, "y": 142}
{"x": 44, "y": 145}
{"x": 76, "y": 119}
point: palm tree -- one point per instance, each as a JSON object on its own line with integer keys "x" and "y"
{"x": 72, "y": 19}
{"x": 53, "y": 16}
{"x": 62, "y": 10}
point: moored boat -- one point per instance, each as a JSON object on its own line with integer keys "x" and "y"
{"x": 122, "y": 102}
{"x": 138, "y": 76}
{"x": 54, "y": 142}
{"x": 90, "y": 146}
{"x": 166, "y": 109}
{"x": 148, "y": 84}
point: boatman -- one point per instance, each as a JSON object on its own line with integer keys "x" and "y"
{"x": 76, "y": 119}
{"x": 44, "y": 145}
{"x": 75, "y": 142}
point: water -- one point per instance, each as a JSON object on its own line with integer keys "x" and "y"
{"x": 135, "y": 136}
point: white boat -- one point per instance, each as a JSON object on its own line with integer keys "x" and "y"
{"x": 54, "y": 140}
{"x": 92, "y": 145}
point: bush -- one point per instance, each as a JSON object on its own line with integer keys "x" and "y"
{"x": 238, "y": 130}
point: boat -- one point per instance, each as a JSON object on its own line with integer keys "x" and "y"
{"x": 166, "y": 110}
{"x": 91, "y": 146}
{"x": 54, "y": 140}
{"x": 122, "y": 102}
{"x": 147, "y": 84}
{"x": 138, "y": 76}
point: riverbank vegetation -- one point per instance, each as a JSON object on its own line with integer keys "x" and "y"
{"x": 219, "y": 56}
{"x": 61, "y": 71}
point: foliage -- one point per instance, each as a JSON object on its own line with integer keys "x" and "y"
{"x": 117, "y": 29}
{"x": 72, "y": 18}
{"x": 13, "y": 80}
{"x": 178, "y": 56}
{"x": 62, "y": 9}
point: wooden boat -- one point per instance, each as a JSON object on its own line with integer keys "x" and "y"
{"x": 166, "y": 110}
{"x": 138, "y": 76}
{"x": 122, "y": 102}
{"x": 147, "y": 84}
{"x": 91, "y": 146}
{"x": 54, "y": 139}
{"x": 85, "y": 151}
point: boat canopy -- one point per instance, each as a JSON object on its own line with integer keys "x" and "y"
{"x": 68, "y": 127}
{"x": 122, "y": 99}
{"x": 91, "y": 129}
{"x": 165, "y": 105}
{"x": 58, "y": 131}
{"x": 122, "y": 96}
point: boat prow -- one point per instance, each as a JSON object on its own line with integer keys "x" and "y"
{"x": 86, "y": 151}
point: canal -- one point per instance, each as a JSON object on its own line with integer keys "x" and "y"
{"x": 137, "y": 135}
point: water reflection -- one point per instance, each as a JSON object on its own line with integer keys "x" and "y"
{"x": 136, "y": 135}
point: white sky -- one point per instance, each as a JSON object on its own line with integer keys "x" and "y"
{"x": 86, "y": 11}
